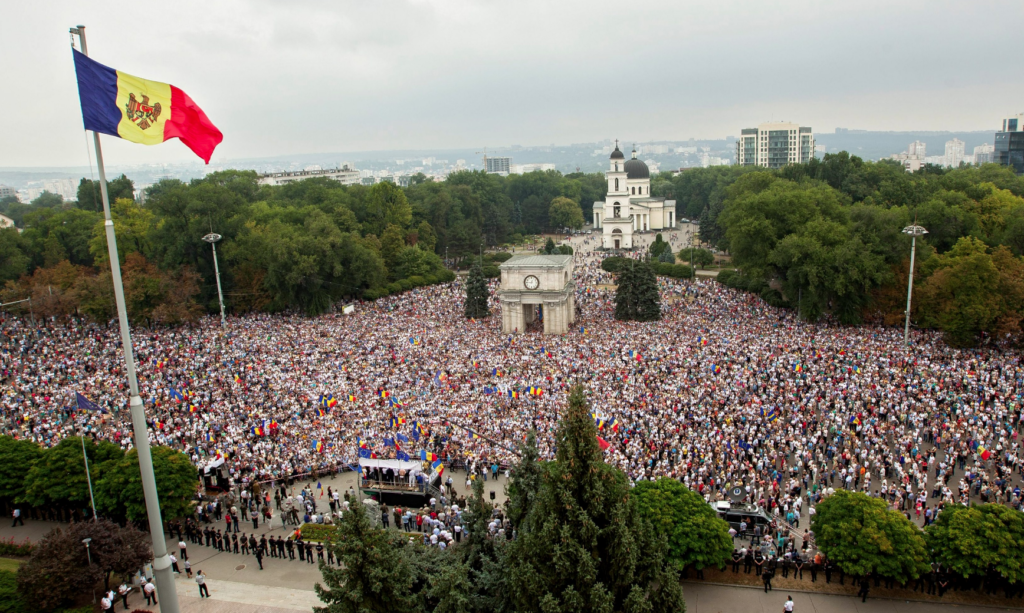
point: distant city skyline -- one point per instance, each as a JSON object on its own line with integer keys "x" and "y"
{"x": 281, "y": 78}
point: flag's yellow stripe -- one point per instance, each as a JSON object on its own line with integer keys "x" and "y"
{"x": 142, "y": 129}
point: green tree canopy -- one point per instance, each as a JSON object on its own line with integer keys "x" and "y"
{"x": 969, "y": 292}
{"x": 565, "y": 213}
{"x": 970, "y": 540}
{"x": 119, "y": 490}
{"x": 16, "y": 459}
{"x": 58, "y": 478}
{"x": 695, "y": 533}
{"x": 584, "y": 545}
{"x": 476, "y": 293}
{"x": 862, "y": 535}
{"x": 90, "y": 199}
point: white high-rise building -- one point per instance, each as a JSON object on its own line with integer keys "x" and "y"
{"x": 774, "y": 145}
{"x": 344, "y": 175}
{"x": 954, "y": 152}
{"x": 913, "y": 158}
{"x": 983, "y": 154}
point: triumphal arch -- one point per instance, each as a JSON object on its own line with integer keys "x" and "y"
{"x": 537, "y": 286}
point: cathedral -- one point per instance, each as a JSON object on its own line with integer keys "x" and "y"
{"x": 629, "y": 207}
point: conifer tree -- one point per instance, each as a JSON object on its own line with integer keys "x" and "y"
{"x": 584, "y": 545}
{"x": 645, "y": 288}
{"x": 625, "y": 293}
{"x": 373, "y": 575}
{"x": 476, "y": 293}
{"x": 549, "y": 247}
{"x": 667, "y": 257}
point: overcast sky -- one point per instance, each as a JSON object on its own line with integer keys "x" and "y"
{"x": 283, "y": 77}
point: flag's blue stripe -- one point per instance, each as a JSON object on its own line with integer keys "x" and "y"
{"x": 97, "y": 90}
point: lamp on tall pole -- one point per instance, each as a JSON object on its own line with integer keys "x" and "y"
{"x": 140, "y": 429}
{"x": 89, "y": 556}
{"x": 212, "y": 239}
{"x": 913, "y": 232}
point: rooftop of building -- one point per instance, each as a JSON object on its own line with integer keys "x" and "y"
{"x": 537, "y": 261}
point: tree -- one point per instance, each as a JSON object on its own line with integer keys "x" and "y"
{"x": 59, "y": 568}
{"x": 90, "y": 199}
{"x": 392, "y": 242}
{"x": 16, "y": 458}
{"x": 971, "y": 540}
{"x": 969, "y": 292}
{"x": 701, "y": 257}
{"x": 667, "y": 257}
{"x": 549, "y": 247}
{"x": 386, "y": 205}
{"x": 373, "y": 574}
{"x": 119, "y": 489}
{"x": 863, "y": 536}
{"x": 626, "y": 291}
{"x": 47, "y": 200}
{"x": 636, "y": 295}
{"x": 525, "y": 477}
{"x": 58, "y": 478}
{"x": 477, "y": 293}
{"x": 13, "y": 259}
{"x": 565, "y": 213}
{"x": 695, "y": 533}
{"x": 425, "y": 237}
{"x": 658, "y": 246}
{"x": 584, "y": 545}
{"x": 648, "y": 298}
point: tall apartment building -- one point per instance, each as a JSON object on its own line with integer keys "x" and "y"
{"x": 913, "y": 158}
{"x": 983, "y": 154}
{"x": 7, "y": 192}
{"x": 774, "y": 145}
{"x": 954, "y": 152}
{"x": 1009, "y": 145}
{"x": 498, "y": 166}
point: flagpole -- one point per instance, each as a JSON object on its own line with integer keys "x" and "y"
{"x": 161, "y": 562}
{"x": 88, "y": 477}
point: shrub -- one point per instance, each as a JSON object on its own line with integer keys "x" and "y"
{"x": 773, "y": 297}
{"x": 565, "y": 249}
{"x": 613, "y": 264}
{"x": 681, "y": 271}
{"x": 317, "y": 532}
{"x": 430, "y": 280}
{"x": 491, "y": 272}
{"x": 393, "y": 287}
{"x": 501, "y": 256}
{"x": 10, "y": 547}
{"x": 446, "y": 276}
{"x": 725, "y": 276}
{"x": 417, "y": 281}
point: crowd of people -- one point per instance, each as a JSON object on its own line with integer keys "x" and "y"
{"x": 725, "y": 390}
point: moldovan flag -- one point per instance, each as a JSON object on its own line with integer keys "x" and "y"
{"x": 141, "y": 111}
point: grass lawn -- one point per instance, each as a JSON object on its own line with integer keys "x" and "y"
{"x": 9, "y": 564}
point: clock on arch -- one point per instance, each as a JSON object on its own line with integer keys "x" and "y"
{"x": 531, "y": 282}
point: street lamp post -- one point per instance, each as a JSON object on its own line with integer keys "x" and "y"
{"x": 913, "y": 232}
{"x": 212, "y": 239}
{"x": 89, "y": 556}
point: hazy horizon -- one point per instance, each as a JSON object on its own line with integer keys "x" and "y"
{"x": 329, "y": 78}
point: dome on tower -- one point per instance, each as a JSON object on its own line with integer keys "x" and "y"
{"x": 636, "y": 169}
{"x": 617, "y": 155}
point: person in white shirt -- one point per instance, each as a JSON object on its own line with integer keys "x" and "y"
{"x": 149, "y": 591}
{"x": 106, "y": 604}
{"x": 788, "y": 607}
{"x": 123, "y": 590}
{"x": 174, "y": 563}
{"x": 182, "y": 549}
{"x": 204, "y": 591}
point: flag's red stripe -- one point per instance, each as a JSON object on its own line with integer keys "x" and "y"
{"x": 189, "y": 123}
